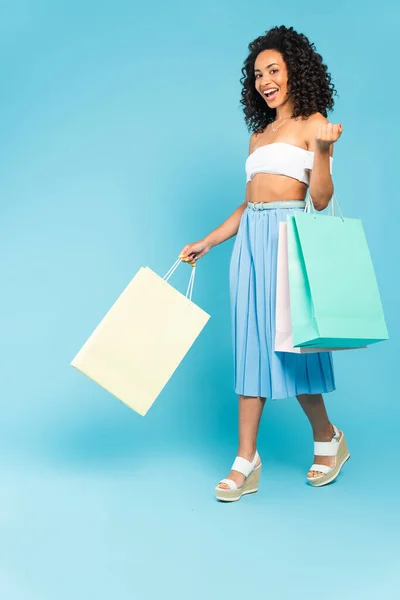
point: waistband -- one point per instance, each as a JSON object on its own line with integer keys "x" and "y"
{"x": 278, "y": 204}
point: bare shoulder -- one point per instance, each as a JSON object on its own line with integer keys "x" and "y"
{"x": 253, "y": 139}
{"x": 252, "y": 142}
{"x": 311, "y": 127}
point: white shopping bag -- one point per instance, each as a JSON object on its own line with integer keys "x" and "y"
{"x": 142, "y": 339}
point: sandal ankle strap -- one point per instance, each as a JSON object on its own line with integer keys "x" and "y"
{"x": 328, "y": 448}
{"x": 243, "y": 465}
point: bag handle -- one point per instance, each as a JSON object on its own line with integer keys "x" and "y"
{"x": 331, "y": 211}
{"x": 191, "y": 279}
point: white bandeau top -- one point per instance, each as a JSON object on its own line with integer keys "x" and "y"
{"x": 281, "y": 158}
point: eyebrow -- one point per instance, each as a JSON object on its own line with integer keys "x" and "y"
{"x": 268, "y": 66}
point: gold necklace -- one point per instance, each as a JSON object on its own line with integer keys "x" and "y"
{"x": 276, "y": 128}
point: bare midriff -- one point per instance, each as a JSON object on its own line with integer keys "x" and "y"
{"x": 268, "y": 187}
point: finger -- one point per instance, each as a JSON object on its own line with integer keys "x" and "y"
{"x": 184, "y": 252}
{"x": 337, "y": 132}
{"x": 194, "y": 260}
{"x": 190, "y": 258}
{"x": 329, "y": 129}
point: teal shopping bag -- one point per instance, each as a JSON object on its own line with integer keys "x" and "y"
{"x": 334, "y": 295}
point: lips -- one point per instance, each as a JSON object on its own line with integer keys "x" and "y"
{"x": 270, "y": 96}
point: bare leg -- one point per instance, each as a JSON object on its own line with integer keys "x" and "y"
{"x": 314, "y": 407}
{"x": 250, "y": 411}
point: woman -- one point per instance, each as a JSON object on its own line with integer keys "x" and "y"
{"x": 286, "y": 94}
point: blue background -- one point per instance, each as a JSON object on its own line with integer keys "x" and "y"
{"x": 122, "y": 140}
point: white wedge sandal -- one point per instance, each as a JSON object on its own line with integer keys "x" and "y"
{"x": 336, "y": 447}
{"x": 250, "y": 484}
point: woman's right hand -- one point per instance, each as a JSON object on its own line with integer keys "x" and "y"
{"x": 192, "y": 252}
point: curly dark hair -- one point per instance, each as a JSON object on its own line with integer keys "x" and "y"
{"x": 309, "y": 83}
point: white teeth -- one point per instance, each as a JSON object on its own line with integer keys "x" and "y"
{"x": 268, "y": 92}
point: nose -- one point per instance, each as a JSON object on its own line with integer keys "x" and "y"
{"x": 265, "y": 82}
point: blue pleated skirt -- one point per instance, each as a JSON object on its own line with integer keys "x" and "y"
{"x": 258, "y": 369}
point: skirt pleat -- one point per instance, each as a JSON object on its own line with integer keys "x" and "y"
{"x": 258, "y": 369}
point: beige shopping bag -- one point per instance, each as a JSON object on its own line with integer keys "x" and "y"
{"x": 283, "y": 322}
{"x": 142, "y": 339}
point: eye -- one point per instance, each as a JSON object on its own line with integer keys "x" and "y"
{"x": 272, "y": 71}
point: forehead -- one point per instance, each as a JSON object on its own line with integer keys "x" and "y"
{"x": 267, "y": 57}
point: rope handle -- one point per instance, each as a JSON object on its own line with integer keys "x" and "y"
{"x": 170, "y": 272}
{"x": 332, "y": 203}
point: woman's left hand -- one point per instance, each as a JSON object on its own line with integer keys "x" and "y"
{"x": 328, "y": 134}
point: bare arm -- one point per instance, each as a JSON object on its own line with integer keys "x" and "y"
{"x": 229, "y": 228}
{"x": 321, "y": 184}
{"x": 322, "y": 134}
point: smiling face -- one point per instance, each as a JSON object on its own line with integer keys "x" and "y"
{"x": 271, "y": 74}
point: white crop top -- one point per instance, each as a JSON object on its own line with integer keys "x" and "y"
{"x": 281, "y": 158}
